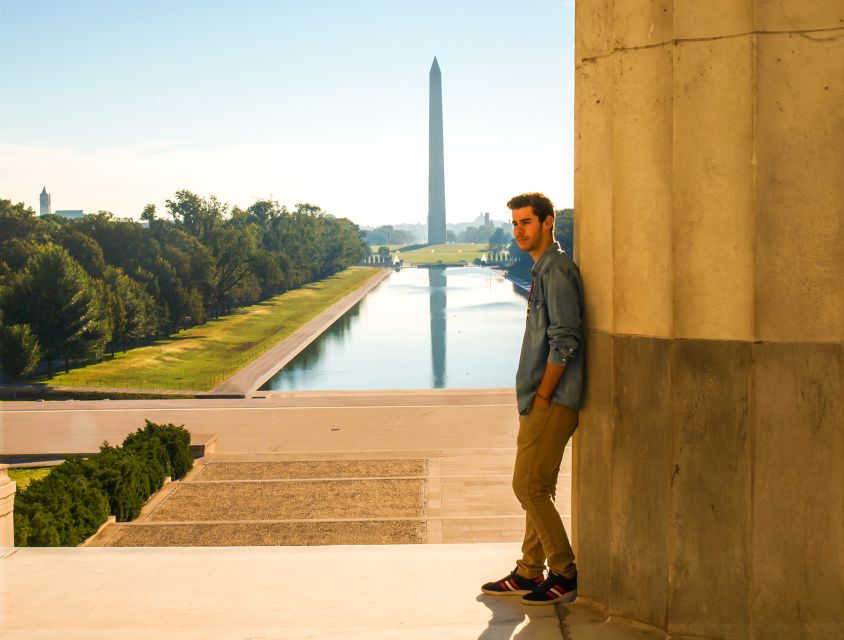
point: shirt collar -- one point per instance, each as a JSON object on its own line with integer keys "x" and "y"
{"x": 554, "y": 247}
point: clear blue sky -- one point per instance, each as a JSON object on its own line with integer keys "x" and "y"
{"x": 113, "y": 105}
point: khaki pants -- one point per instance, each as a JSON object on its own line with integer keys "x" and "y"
{"x": 543, "y": 435}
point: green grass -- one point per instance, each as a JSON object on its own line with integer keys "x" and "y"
{"x": 202, "y": 357}
{"x": 392, "y": 247}
{"x": 445, "y": 253}
{"x": 23, "y": 476}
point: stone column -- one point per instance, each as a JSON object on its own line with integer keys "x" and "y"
{"x": 709, "y": 197}
{"x": 7, "y": 508}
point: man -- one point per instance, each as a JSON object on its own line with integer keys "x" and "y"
{"x": 548, "y": 389}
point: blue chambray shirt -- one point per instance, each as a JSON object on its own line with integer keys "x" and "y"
{"x": 553, "y": 330}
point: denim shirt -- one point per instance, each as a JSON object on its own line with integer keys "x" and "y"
{"x": 553, "y": 330}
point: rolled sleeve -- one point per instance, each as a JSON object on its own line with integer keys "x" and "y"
{"x": 564, "y": 325}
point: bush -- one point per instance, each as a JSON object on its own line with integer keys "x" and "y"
{"x": 62, "y": 509}
{"x": 175, "y": 442}
{"x": 123, "y": 479}
{"x": 153, "y": 457}
{"x": 69, "y": 505}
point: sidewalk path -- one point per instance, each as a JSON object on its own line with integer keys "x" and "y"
{"x": 363, "y": 592}
{"x": 249, "y": 378}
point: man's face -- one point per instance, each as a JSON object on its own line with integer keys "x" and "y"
{"x": 528, "y": 231}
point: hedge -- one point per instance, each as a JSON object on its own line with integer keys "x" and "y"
{"x": 70, "y": 504}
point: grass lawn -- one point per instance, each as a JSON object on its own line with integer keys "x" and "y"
{"x": 201, "y": 357}
{"x": 24, "y": 476}
{"x": 373, "y": 249}
{"x": 445, "y": 253}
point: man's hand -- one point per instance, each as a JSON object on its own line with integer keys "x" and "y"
{"x": 552, "y": 375}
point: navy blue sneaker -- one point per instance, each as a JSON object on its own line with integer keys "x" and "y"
{"x": 555, "y": 589}
{"x": 512, "y": 585}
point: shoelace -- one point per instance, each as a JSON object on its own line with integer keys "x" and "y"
{"x": 549, "y": 582}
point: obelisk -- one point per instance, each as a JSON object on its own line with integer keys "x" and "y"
{"x": 436, "y": 165}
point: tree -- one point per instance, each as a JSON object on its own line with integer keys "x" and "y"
{"x": 82, "y": 248}
{"x": 234, "y": 247}
{"x": 199, "y": 216}
{"x": 20, "y": 233}
{"x": 20, "y": 352}
{"x": 130, "y": 308}
{"x": 499, "y": 236}
{"x": 61, "y": 304}
{"x": 148, "y": 214}
{"x": 564, "y": 230}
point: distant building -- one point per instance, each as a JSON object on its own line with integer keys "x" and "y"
{"x": 70, "y": 213}
{"x": 46, "y": 207}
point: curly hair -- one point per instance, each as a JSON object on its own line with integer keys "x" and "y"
{"x": 541, "y": 204}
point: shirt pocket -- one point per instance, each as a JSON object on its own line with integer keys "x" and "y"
{"x": 537, "y": 315}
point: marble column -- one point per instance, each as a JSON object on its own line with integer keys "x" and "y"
{"x": 709, "y": 197}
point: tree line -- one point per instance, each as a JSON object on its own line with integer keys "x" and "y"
{"x": 74, "y": 288}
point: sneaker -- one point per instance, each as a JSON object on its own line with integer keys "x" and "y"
{"x": 555, "y": 590}
{"x": 512, "y": 585}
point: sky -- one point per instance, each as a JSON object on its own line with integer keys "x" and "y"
{"x": 114, "y": 105}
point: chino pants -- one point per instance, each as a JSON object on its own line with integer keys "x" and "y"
{"x": 543, "y": 435}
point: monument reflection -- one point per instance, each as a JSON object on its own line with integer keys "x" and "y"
{"x": 437, "y": 283}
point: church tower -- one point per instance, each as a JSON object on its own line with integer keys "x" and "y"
{"x": 46, "y": 207}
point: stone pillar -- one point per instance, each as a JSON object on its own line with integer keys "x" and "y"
{"x": 708, "y": 491}
{"x": 7, "y": 508}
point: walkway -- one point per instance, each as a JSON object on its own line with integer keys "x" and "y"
{"x": 246, "y": 381}
{"x": 406, "y": 592}
{"x": 466, "y": 439}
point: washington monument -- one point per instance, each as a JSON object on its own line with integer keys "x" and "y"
{"x": 436, "y": 166}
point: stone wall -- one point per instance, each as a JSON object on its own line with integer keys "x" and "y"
{"x": 709, "y": 191}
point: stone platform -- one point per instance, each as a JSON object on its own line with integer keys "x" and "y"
{"x": 458, "y": 445}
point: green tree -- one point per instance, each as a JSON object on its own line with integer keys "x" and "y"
{"x": 130, "y": 308}
{"x": 82, "y": 248}
{"x": 61, "y": 304}
{"x": 21, "y": 231}
{"x": 20, "y": 352}
{"x": 499, "y": 236}
{"x": 199, "y": 216}
{"x": 564, "y": 230}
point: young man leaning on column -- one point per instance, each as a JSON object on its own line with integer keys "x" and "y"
{"x": 548, "y": 389}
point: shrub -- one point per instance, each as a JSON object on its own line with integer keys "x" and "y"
{"x": 62, "y": 509}
{"x": 175, "y": 441}
{"x": 69, "y": 505}
{"x": 123, "y": 479}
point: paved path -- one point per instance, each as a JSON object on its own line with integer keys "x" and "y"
{"x": 247, "y": 380}
{"x": 414, "y": 592}
{"x": 371, "y": 592}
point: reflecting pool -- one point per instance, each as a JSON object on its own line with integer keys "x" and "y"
{"x": 443, "y": 327}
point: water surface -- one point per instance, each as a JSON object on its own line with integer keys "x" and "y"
{"x": 456, "y": 327}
